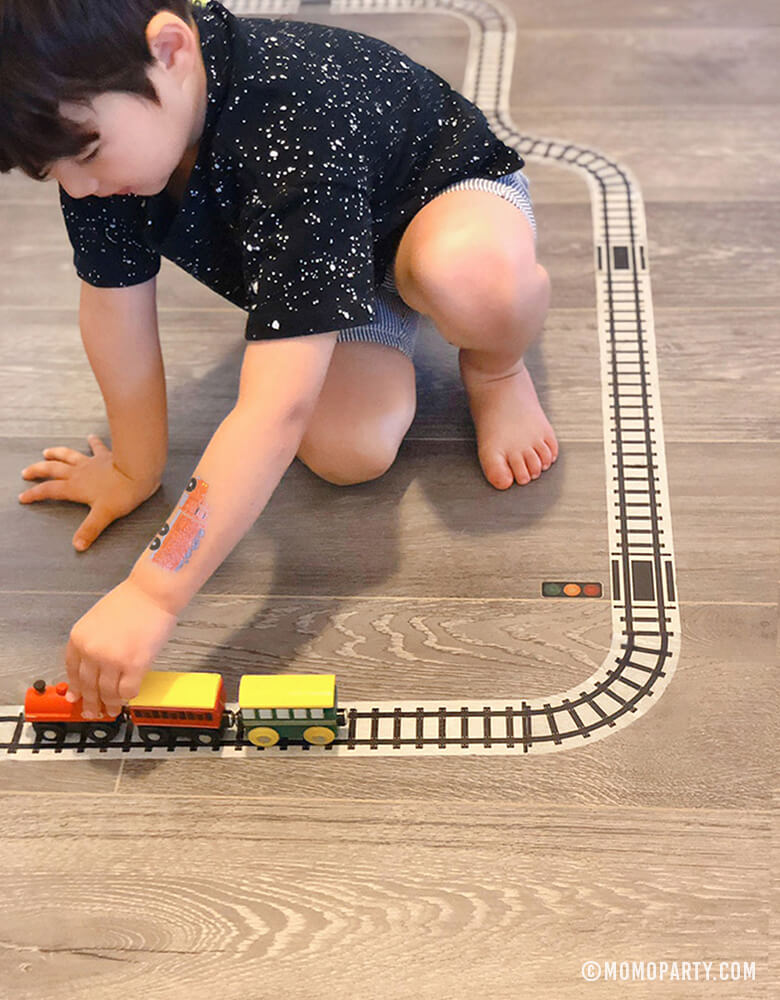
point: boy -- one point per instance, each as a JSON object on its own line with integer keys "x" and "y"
{"x": 310, "y": 175}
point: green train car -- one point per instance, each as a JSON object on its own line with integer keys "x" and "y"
{"x": 290, "y": 706}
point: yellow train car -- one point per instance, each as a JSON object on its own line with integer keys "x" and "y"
{"x": 171, "y": 704}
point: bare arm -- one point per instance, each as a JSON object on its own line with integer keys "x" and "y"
{"x": 115, "y": 643}
{"x": 120, "y": 335}
{"x": 244, "y": 461}
{"x": 119, "y": 332}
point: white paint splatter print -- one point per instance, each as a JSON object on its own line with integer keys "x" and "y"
{"x": 320, "y": 146}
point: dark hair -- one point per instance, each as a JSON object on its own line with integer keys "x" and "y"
{"x": 54, "y": 51}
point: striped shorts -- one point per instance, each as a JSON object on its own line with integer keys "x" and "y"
{"x": 394, "y": 323}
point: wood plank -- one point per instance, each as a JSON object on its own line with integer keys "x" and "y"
{"x": 709, "y": 392}
{"x": 686, "y": 154}
{"x": 421, "y": 900}
{"x": 203, "y": 352}
{"x": 419, "y": 523}
{"x": 658, "y": 67}
{"x": 693, "y": 153}
{"x": 38, "y": 265}
{"x": 706, "y": 744}
{"x": 422, "y": 509}
{"x": 700, "y": 254}
{"x": 531, "y": 14}
{"x": 706, "y": 395}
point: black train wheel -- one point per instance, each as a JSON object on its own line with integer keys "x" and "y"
{"x": 154, "y": 737}
{"x": 50, "y": 732}
{"x": 207, "y": 738}
{"x": 102, "y": 732}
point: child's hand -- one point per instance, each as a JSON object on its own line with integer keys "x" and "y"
{"x": 113, "y": 645}
{"x": 93, "y": 480}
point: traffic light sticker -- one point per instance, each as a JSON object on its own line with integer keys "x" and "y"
{"x": 570, "y": 589}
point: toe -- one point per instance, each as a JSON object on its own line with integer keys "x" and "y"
{"x": 497, "y": 471}
{"x": 545, "y": 455}
{"x": 552, "y": 444}
{"x": 533, "y": 463}
{"x": 520, "y": 470}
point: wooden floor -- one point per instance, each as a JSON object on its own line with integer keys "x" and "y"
{"x": 436, "y": 878}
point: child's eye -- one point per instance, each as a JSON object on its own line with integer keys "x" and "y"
{"x": 91, "y": 156}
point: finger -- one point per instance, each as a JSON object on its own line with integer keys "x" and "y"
{"x": 88, "y": 678}
{"x": 107, "y": 687}
{"x": 89, "y": 529}
{"x": 72, "y": 663}
{"x": 63, "y": 454}
{"x": 52, "y": 489}
{"x": 96, "y": 444}
{"x": 47, "y": 470}
{"x": 128, "y": 687}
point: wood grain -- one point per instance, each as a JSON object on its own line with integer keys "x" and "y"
{"x": 710, "y": 360}
{"x": 440, "y": 877}
{"x": 389, "y": 649}
{"x": 400, "y": 900}
{"x": 431, "y": 523}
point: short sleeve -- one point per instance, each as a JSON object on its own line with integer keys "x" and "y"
{"x": 106, "y": 234}
{"x": 308, "y": 259}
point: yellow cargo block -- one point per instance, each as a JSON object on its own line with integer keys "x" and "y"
{"x": 287, "y": 691}
{"x": 168, "y": 689}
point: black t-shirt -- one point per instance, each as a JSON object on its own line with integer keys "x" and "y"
{"x": 320, "y": 145}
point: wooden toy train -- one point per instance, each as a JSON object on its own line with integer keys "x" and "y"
{"x": 191, "y": 706}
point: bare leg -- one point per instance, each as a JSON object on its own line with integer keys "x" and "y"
{"x": 364, "y": 410}
{"x": 468, "y": 260}
{"x": 515, "y": 441}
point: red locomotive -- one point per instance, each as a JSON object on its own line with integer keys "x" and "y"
{"x": 52, "y": 715}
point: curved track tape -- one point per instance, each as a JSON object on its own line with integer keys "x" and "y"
{"x": 645, "y": 617}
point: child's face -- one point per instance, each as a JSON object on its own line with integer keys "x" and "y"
{"x": 141, "y": 143}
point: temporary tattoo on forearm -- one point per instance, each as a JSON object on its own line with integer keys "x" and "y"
{"x": 178, "y": 538}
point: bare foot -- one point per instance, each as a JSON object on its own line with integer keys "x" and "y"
{"x": 515, "y": 441}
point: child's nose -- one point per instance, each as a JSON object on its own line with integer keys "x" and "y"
{"x": 77, "y": 183}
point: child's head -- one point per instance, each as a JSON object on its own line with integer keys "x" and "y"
{"x": 100, "y": 94}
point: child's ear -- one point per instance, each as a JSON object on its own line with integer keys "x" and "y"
{"x": 167, "y": 35}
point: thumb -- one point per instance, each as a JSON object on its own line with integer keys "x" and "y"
{"x": 90, "y": 528}
{"x": 96, "y": 444}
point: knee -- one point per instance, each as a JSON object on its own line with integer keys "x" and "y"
{"x": 543, "y": 283}
{"x": 350, "y": 458}
{"x": 480, "y": 283}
